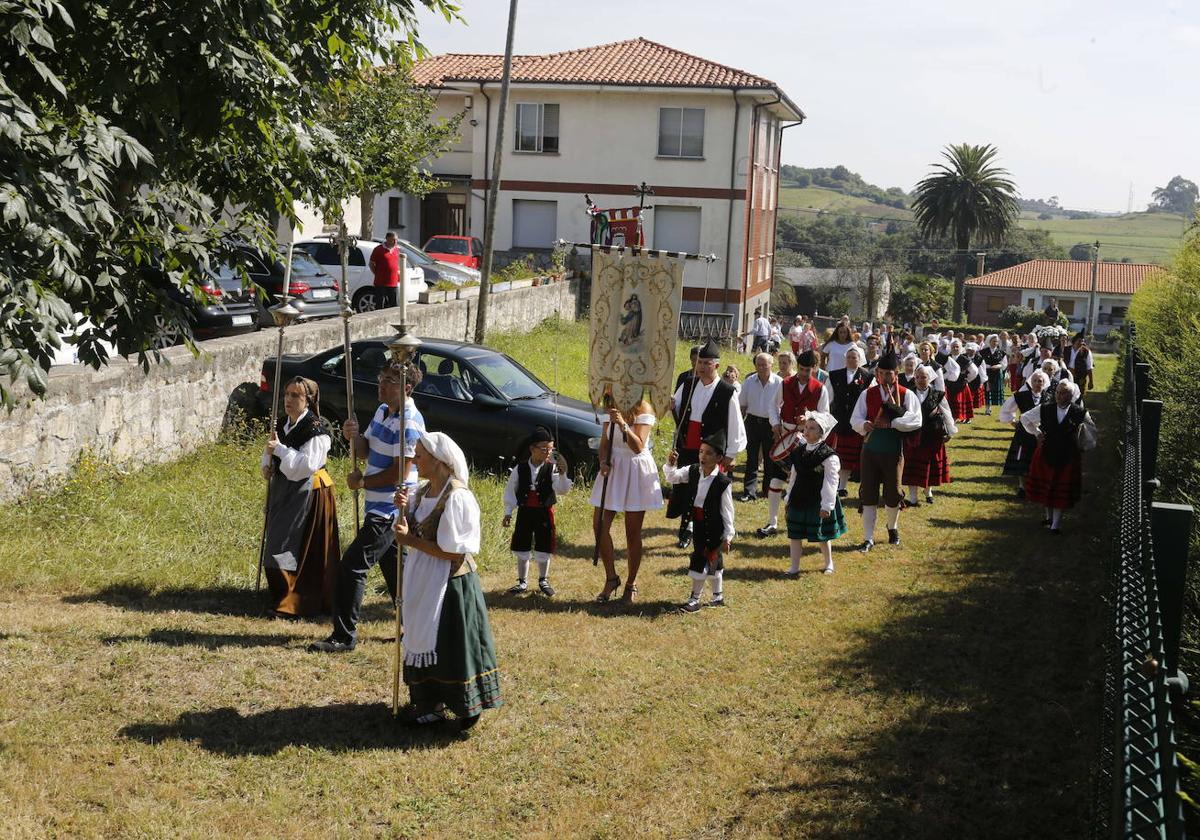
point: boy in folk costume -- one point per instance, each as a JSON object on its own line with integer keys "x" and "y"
{"x": 800, "y": 393}
{"x": 814, "y": 511}
{"x": 1035, "y": 392}
{"x": 925, "y": 461}
{"x": 883, "y": 413}
{"x": 845, "y": 386}
{"x": 706, "y": 490}
{"x": 1063, "y": 430}
{"x": 534, "y": 485}
{"x": 704, "y": 407}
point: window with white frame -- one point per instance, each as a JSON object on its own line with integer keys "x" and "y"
{"x": 537, "y": 128}
{"x": 681, "y": 132}
{"x": 535, "y": 223}
{"x": 676, "y": 229}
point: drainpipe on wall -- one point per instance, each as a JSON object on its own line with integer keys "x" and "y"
{"x": 737, "y": 107}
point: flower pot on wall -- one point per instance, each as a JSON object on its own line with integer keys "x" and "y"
{"x": 431, "y": 296}
{"x": 467, "y": 292}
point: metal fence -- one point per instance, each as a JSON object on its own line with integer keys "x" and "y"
{"x": 1137, "y": 785}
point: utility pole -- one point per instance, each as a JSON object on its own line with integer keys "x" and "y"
{"x": 489, "y": 225}
{"x": 1091, "y": 316}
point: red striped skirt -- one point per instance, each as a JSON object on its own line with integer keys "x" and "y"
{"x": 978, "y": 393}
{"x": 962, "y": 405}
{"x": 926, "y": 465}
{"x": 848, "y": 446}
{"x": 1015, "y": 378}
{"x": 1054, "y": 487}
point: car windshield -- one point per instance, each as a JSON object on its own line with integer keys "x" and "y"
{"x": 303, "y": 265}
{"x": 508, "y": 378}
{"x": 415, "y": 255}
{"x": 447, "y": 246}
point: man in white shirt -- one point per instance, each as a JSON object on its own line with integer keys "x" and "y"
{"x": 759, "y": 399}
{"x": 761, "y": 330}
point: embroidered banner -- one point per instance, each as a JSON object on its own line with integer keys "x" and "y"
{"x": 618, "y": 226}
{"x": 634, "y": 326}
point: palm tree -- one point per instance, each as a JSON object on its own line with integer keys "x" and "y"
{"x": 967, "y": 197}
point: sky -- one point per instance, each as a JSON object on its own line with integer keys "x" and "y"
{"x": 1082, "y": 99}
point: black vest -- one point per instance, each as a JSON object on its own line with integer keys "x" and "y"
{"x": 710, "y": 533}
{"x": 845, "y": 394}
{"x": 992, "y": 357}
{"x": 309, "y": 427}
{"x": 810, "y": 475}
{"x": 715, "y": 416}
{"x": 933, "y": 423}
{"x": 545, "y": 483}
{"x": 1060, "y": 447}
{"x": 1025, "y": 399}
{"x": 960, "y": 383}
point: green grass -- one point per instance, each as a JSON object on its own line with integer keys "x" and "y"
{"x": 946, "y": 688}
{"x": 1142, "y": 237}
{"x": 819, "y": 198}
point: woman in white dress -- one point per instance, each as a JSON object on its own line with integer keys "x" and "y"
{"x": 837, "y": 345}
{"x": 633, "y": 488}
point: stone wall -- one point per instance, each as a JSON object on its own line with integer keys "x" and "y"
{"x": 131, "y": 417}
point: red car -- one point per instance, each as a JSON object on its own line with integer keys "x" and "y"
{"x": 464, "y": 250}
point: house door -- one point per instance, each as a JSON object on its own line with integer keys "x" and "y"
{"x": 435, "y": 216}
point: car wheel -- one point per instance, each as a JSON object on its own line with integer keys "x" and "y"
{"x": 166, "y": 333}
{"x": 366, "y": 301}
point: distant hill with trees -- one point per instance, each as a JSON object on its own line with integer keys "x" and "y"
{"x": 842, "y": 180}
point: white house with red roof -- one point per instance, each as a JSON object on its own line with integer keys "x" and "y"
{"x": 1069, "y": 282}
{"x": 599, "y": 121}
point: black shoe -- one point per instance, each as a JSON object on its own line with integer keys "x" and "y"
{"x": 766, "y": 531}
{"x": 546, "y": 588}
{"x": 929, "y": 499}
{"x": 520, "y": 588}
{"x": 331, "y": 645}
{"x": 685, "y": 539}
{"x": 1056, "y": 532}
{"x": 1045, "y": 523}
{"x": 1020, "y": 492}
{"x": 866, "y": 546}
{"x": 893, "y": 536}
{"x": 748, "y": 497}
{"x": 717, "y": 600}
{"x": 691, "y": 605}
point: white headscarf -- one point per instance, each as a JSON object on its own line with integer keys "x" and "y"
{"x": 1074, "y": 388}
{"x": 1039, "y": 374}
{"x": 971, "y": 346}
{"x": 824, "y": 419}
{"x": 930, "y": 373}
{"x": 1049, "y": 363}
{"x": 440, "y": 446}
{"x": 856, "y": 350}
{"x": 913, "y": 357}
{"x": 988, "y": 340}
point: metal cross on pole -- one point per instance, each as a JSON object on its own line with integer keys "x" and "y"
{"x": 344, "y": 242}
{"x": 641, "y": 191}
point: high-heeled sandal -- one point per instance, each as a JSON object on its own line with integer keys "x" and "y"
{"x": 627, "y": 596}
{"x": 610, "y": 586}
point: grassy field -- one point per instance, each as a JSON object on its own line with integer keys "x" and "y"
{"x": 819, "y": 198}
{"x": 945, "y": 688}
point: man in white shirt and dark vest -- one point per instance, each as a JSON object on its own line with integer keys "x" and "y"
{"x": 1079, "y": 361}
{"x": 704, "y": 408}
{"x": 757, "y": 399}
{"x": 883, "y": 413}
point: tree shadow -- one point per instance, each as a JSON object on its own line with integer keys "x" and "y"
{"x": 341, "y": 727}
{"x": 501, "y": 600}
{"x": 173, "y": 637}
{"x": 212, "y": 600}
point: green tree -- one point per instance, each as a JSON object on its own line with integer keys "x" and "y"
{"x": 918, "y": 298}
{"x": 383, "y": 123}
{"x": 968, "y": 197}
{"x": 1178, "y": 196}
{"x": 135, "y": 135}
{"x": 1081, "y": 251}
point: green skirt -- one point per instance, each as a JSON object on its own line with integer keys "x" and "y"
{"x": 806, "y": 523}
{"x": 465, "y": 677}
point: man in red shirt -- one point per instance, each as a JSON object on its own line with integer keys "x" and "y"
{"x": 385, "y": 265}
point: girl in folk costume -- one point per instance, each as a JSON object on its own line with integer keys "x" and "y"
{"x": 908, "y": 367}
{"x": 814, "y": 511}
{"x": 978, "y": 385}
{"x": 1016, "y": 361}
{"x": 800, "y": 393}
{"x": 708, "y": 492}
{"x": 845, "y": 386}
{"x": 1032, "y": 394}
{"x": 533, "y": 487}
{"x": 633, "y": 489}
{"x": 925, "y": 461}
{"x": 300, "y": 545}
{"x": 449, "y": 654}
{"x": 995, "y": 364}
{"x": 958, "y": 383}
{"x": 796, "y": 335}
{"x": 1063, "y": 430}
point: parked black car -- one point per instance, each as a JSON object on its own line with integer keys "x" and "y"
{"x": 480, "y": 397}
{"x": 228, "y": 309}
{"x": 313, "y": 291}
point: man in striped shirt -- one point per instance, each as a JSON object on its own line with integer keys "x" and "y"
{"x": 376, "y": 542}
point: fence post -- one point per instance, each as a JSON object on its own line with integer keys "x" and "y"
{"x": 1171, "y": 527}
{"x": 1141, "y": 380}
{"x": 1151, "y": 420}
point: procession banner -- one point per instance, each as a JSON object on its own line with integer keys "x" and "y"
{"x": 636, "y": 296}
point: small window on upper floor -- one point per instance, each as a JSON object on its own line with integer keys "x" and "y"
{"x": 681, "y": 132}
{"x": 537, "y": 128}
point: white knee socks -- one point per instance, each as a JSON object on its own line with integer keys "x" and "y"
{"x": 543, "y": 561}
{"x": 717, "y": 579}
{"x": 796, "y": 547}
{"x": 869, "y": 513}
{"x": 522, "y": 564}
{"x": 912, "y": 494}
{"x": 843, "y": 479}
{"x": 697, "y": 587}
{"x": 893, "y": 514}
{"x": 774, "y": 497}
{"x": 827, "y": 554}
{"x": 1056, "y": 519}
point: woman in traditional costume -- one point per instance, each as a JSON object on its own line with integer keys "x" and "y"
{"x": 908, "y": 366}
{"x": 449, "y": 655}
{"x": 633, "y": 489}
{"x": 925, "y": 461}
{"x": 995, "y": 362}
{"x": 1063, "y": 430}
{"x": 814, "y": 511}
{"x": 845, "y": 385}
{"x": 1016, "y": 361}
{"x": 958, "y": 382}
{"x": 978, "y": 385}
{"x": 300, "y": 545}
{"x": 1020, "y": 452}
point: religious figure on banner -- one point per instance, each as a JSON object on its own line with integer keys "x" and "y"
{"x": 634, "y": 326}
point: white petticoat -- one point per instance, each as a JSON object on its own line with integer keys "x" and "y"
{"x": 632, "y": 483}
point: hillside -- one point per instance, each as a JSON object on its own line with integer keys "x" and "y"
{"x": 819, "y": 198}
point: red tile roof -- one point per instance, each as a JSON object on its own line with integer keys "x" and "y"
{"x": 1068, "y": 276}
{"x": 634, "y": 62}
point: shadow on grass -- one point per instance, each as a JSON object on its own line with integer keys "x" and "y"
{"x": 212, "y": 600}
{"x": 501, "y": 600}
{"x": 998, "y": 672}
{"x": 341, "y": 727}
{"x": 172, "y": 637}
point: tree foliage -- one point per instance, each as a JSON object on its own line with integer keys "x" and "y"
{"x": 966, "y": 198}
{"x": 919, "y": 298}
{"x": 1179, "y": 196}
{"x": 842, "y": 180}
{"x": 1082, "y": 251}
{"x": 135, "y": 135}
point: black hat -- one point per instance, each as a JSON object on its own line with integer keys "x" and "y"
{"x": 807, "y": 359}
{"x": 716, "y": 440}
{"x": 540, "y": 435}
{"x": 888, "y": 361}
{"x": 710, "y": 350}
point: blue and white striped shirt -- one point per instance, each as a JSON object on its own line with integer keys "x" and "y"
{"x": 383, "y": 441}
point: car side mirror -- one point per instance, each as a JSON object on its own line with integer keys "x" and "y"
{"x": 489, "y": 403}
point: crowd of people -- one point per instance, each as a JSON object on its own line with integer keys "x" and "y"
{"x": 869, "y": 406}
